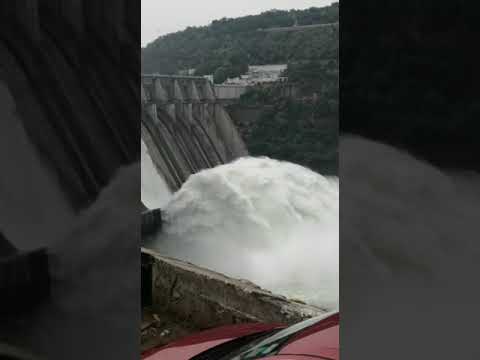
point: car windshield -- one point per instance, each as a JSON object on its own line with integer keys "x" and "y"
{"x": 273, "y": 343}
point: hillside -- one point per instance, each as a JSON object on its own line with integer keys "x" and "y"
{"x": 304, "y": 129}
{"x": 227, "y": 46}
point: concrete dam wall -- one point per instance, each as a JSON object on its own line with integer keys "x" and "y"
{"x": 209, "y": 298}
{"x": 185, "y": 127}
{"x": 189, "y": 298}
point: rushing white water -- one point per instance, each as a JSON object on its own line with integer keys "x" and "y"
{"x": 155, "y": 191}
{"x": 271, "y": 222}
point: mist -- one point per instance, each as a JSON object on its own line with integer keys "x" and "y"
{"x": 273, "y": 223}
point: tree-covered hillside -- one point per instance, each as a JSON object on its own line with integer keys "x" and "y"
{"x": 304, "y": 133}
{"x": 228, "y": 46}
{"x": 301, "y": 129}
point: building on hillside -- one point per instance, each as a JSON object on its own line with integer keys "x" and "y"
{"x": 259, "y": 74}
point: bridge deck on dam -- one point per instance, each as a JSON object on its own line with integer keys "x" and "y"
{"x": 185, "y": 127}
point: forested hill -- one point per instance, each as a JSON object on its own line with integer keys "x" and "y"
{"x": 227, "y": 46}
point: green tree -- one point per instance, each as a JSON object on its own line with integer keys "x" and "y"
{"x": 237, "y": 43}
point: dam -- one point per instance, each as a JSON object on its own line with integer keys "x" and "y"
{"x": 185, "y": 127}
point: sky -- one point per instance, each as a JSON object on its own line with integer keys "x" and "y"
{"x": 160, "y": 17}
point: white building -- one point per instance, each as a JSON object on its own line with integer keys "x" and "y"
{"x": 258, "y": 74}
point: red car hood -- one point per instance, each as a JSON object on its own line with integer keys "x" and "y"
{"x": 320, "y": 341}
{"x": 193, "y": 345}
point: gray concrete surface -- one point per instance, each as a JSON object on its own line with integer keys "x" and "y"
{"x": 206, "y": 299}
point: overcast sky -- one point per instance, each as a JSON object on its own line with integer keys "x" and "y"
{"x": 161, "y": 17}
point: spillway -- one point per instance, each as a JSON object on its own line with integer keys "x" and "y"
{"x": 185, "y": 128}
{"x": 267, "y": 221}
